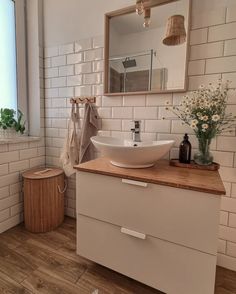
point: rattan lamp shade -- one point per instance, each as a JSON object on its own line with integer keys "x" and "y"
{"x": 175, "y": 33}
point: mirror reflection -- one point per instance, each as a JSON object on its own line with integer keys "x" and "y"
{"x": 138, "y": 59}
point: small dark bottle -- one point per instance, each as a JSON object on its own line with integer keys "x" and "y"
{"x": 185, "y": 150}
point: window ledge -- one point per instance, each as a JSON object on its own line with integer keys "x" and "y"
{"x": 20, "y": 139}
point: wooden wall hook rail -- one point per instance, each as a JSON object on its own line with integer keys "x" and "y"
{"x": 83, "y": 100}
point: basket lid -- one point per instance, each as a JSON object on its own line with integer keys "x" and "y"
{"x": 42, "y": 173}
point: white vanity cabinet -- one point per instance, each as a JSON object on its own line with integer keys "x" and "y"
{"x": 162, "y": 236}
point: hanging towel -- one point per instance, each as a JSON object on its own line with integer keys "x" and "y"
{"x": 90, "y": 128}
{"x": 70, "y": 152}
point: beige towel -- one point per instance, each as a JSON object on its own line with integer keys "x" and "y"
{"x": 70, "y": 152}
{"x": 91, "y": 125}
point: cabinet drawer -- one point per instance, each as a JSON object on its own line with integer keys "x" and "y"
{"x": 184, "y": 217}
{"x": 160, "y": 264}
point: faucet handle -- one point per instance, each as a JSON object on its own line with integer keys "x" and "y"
{"x": 136, "y": 131}
{"x": 137, "y": 123}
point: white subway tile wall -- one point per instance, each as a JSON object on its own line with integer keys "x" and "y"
{"x": 77, "y": 69}
{"x": 17, "y": 157}
{"x": 212, "y": 56}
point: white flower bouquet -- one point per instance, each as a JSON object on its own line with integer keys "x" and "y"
{"x": 205, "y": 112}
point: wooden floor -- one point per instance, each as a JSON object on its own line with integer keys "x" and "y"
{"x": 47, "y": 263}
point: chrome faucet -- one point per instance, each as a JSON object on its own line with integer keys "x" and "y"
{"x": 136, "y": 131}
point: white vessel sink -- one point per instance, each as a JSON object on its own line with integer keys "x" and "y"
{"x": 129, "y": 154}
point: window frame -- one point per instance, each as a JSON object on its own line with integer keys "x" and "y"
{"x": 21, "y": 59}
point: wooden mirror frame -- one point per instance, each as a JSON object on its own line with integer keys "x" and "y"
{"x": 131, "y": 9}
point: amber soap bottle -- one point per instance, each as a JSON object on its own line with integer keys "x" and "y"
{"x": 185, "y": 149}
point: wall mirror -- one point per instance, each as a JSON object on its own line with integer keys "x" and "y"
{"x": 137, "y": 60}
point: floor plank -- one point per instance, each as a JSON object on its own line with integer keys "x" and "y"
{"x": 107, "y": 281}
{"x": 15, "y": 237}
{"x": 67, "y": 250}
{"x": 15, "y": 265}
{"x": 52, "y": 239}
{"x": 9, "y": 286}
{"x": 43, "y": 282}
{"x": 63, "y": 267}
{"x": 48, "y": 264}
{"x": 225, "y": 281}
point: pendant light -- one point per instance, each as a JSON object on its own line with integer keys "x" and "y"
{"x": 175, "y": 32}
{"x": 139, "y": 7}
{"x": 147, "y": 17}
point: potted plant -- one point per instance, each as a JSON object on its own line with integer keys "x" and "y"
{"x": 11, "y": 123}
{"x": 205, "y": 112}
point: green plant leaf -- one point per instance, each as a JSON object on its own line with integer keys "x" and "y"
{"x": 8, "y": 119}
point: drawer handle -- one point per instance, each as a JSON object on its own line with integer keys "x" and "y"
{"x": 133, "y": 233}
{"x": 135, "y": 183}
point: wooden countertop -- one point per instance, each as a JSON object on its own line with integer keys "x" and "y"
{"x": 162, "y": 174}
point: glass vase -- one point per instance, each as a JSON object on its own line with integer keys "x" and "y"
{"x": 203, "y": 156}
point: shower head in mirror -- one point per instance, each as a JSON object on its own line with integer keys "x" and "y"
{"x": 127, "y": 63}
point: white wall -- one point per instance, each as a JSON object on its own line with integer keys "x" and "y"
{"x": 66, "y": 20}
{"x": 77, "y": 68}
{"x": 213, "y": 55}
{"x": 78, "y": 15}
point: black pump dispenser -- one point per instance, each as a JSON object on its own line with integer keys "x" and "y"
{"x": 185, "y": 150}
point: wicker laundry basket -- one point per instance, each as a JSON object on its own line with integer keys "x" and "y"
{"x": 43, "y": 199}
